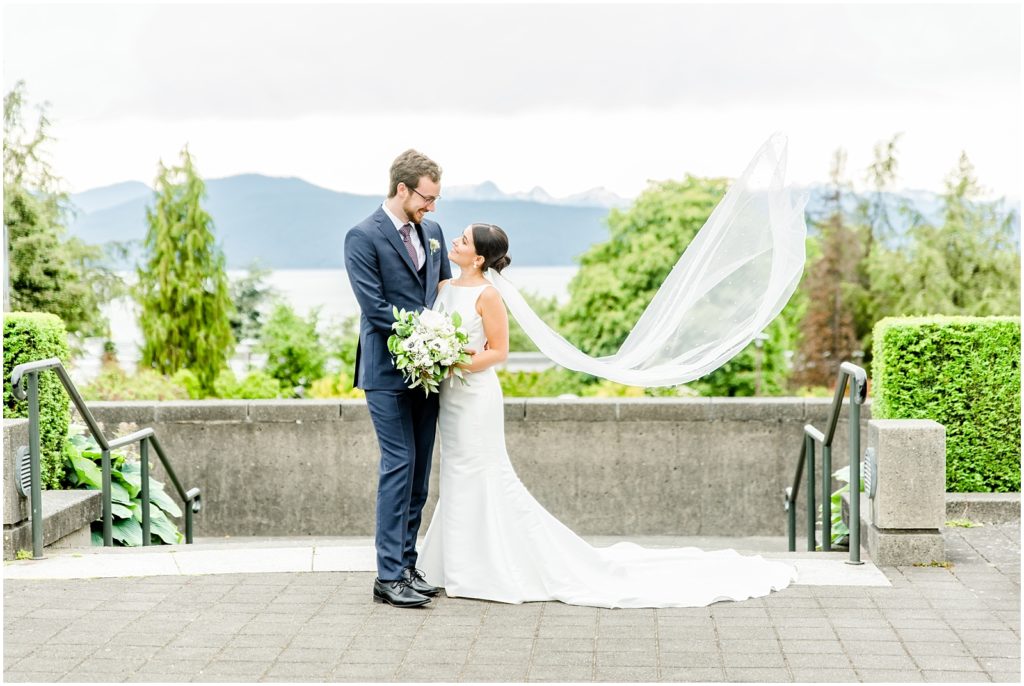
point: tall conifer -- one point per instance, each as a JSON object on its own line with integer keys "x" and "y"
{"x": 183, "y": 287}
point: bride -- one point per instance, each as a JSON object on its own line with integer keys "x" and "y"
{"x": 490, "y": 539}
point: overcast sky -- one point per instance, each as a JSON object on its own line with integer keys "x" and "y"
{"x": 565, "y": 97}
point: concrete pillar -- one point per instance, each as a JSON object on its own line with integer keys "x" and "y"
{"x": 902, "y": 524}
{"x": 15, "y": 504}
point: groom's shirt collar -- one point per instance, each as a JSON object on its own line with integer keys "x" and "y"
{"x": 413, "y": 235}
{"x": 394, "y": 220}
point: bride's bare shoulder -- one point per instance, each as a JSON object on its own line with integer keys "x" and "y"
{"x": 489, "y": 297}
{"x": 442, "y": 284}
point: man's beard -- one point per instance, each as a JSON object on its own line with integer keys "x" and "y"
{"x": 412, "y": 214}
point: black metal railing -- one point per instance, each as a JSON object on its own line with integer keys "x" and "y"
{"x": 812, "y": 436}
{"x": 28, "y": 374}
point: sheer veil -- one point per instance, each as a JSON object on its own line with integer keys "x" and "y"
{"x": 735, "y": 277}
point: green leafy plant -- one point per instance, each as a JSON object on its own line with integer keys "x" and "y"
{"x": 23, "y": 554}
{"x": 840, "y": 532}
{"x": 84, "y": 458}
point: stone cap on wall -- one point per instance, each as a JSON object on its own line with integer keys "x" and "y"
{"x": 516, "y": 409}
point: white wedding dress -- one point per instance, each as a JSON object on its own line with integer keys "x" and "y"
{"x": 490, "y": 539}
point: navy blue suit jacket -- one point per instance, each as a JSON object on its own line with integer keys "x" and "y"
{"x": 382, "y": 276}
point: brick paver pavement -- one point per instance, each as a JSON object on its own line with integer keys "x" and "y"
{"x": 934, "y": 624}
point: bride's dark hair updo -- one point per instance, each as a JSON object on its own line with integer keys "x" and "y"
{"x": 491, "y": 244}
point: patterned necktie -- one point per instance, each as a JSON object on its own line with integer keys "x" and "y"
{"x": 405, "y": 231}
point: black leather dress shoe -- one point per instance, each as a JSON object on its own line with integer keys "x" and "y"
{"x": 397, "y": 593}
{"x": 418, "y": 583}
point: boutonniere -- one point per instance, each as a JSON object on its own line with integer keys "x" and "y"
{"x": 435, "y": 245}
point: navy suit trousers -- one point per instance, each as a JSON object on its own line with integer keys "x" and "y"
{"x": 405, "y": 422}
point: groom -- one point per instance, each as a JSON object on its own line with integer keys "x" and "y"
{"x": 396, "y": 257}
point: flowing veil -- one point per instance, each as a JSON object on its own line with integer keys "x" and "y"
{"x": 735, "y": 277}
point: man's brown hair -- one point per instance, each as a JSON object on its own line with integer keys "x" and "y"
{"x": 409, "y": 167}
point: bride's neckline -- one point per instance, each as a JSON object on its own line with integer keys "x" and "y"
{"x": 463, "y": 286}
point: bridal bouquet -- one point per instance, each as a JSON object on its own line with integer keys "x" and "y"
{"x": 426, "y": 346}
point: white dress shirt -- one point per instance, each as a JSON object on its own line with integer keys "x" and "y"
{"x": 414, "y": 235}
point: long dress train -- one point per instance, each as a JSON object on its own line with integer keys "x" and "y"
{"x": 490, "y": 539}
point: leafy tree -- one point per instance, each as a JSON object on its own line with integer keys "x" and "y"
{"x": 45, "y": 271}
{"x": 183, "y": 287}
{"x": 295, "y": 356}
{"x": 618, "y": 278}
{"x": 969, "y": 265}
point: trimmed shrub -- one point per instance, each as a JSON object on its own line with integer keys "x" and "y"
{"x": 256, "y": 385}
{"x": 31, "y": 336}
{"x": 113, "y": 383}
{"x": 963, "y": 372}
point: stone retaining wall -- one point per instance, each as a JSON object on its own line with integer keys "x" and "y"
{"x": 703, "y": 466}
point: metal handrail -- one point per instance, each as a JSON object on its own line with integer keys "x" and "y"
{"x": 812, "y": 436}
{"x": 29, "y": 372}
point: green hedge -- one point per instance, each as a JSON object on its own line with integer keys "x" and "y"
{"x": 963, "y": 372}
{"x": 30, "y": 336}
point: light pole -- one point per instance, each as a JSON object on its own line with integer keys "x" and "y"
{"x": 759, "y": 340}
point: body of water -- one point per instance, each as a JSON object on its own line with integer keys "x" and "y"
{"x": 303, "y": 289}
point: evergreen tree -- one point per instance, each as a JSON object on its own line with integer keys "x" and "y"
{"x": 970, "y": 265}
{"x": 44, "y": 271}
{"x": 251, "y": 296}
{"x": 183, "y": 288}
{"x": 829, "y": 335}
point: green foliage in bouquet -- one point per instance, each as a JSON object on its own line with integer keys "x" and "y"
{"x": 420, "y": 347}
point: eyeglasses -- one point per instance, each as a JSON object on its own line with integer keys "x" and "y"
{"x": 429, "y": 199}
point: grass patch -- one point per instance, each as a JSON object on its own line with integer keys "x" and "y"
{"x": 965, "y": 523}
{"x": 945, "y": 564}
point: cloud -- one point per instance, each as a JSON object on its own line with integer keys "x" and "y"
{"x": 282, "y": 61}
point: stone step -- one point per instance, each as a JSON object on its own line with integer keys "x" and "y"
{"x": 67, "y": 516}
{"x": 769, "y": 546}
{"x": 994, "y": 508}
{"x": 357, "y": 554}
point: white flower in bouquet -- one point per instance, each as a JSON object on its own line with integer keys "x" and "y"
{"x": 433, "y": 320}
{"x": 427, "y": 346}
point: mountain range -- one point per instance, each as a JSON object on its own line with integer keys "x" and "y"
{"x": 289, "y": 223}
